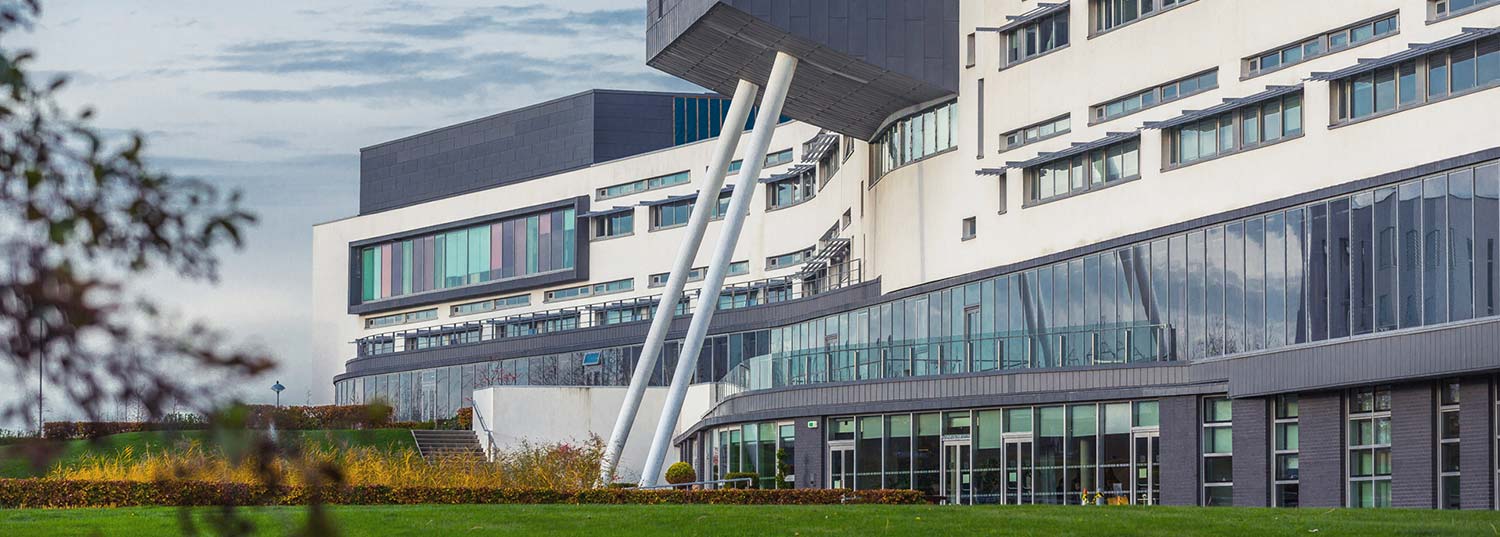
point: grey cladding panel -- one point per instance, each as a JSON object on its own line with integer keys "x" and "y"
{"x": 1413, "y": 445}
{"x": 1321, "y": 449}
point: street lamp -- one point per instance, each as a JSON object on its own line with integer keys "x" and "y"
{"x": 277, "y": 387}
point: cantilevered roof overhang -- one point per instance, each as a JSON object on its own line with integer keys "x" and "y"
{"x": 859, "y": 61}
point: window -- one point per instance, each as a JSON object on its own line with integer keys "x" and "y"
{"x": 739, "y": 268}
{"x": 617, "y": 224}
{"x": 1240, "y": 129}
{"x": 1092, "y": 169}
{"x": 636, "y": 187}
{"x": 969, "y": 50}
{"x": 1370, "y": 447}
{"x": 1036, "y": 37}
{"x": 721, "y": 206}
{"x": 1453, "y": 71}
{"x": 1334, "y": 41}
{"x": 491, "y": 305}
{"x": 512, "y": 247}
{"x": 1439, "y": 9}
{"x": 1057, "y": 126}
{"x": 1448, "y": 453}
{"x": 1110, "y": 14}
{"x": 1150, "y": 97}
{"x": 617, "y": 286}
{"x": 660, "y": 279}
{"x": 1284, "y": 449}
{"x": 846, "y": 219}
{"x": 671, "y": 214}
{"x": 970, "y": 228}
{"x": 915, "y": 137}
{"x": 787, "y": 260}
{"x": 401, "y": 318}
{"x": 791, "y": 191}
{"x": 1218, "y": 452}
{"x": 778, "y": 158}
{"x": 702, "y": 117}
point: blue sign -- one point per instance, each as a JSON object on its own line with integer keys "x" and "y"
{"x": 591, "y": 358}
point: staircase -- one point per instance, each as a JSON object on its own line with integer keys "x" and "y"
{"x": 436, "y": 445}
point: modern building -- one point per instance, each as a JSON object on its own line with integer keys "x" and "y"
{"x": 1125, "y": 251}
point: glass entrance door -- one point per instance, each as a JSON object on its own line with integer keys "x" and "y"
{"x": 1146, "y": 465}
{"x": 958, "y": 482}
{"x": 1018, "y": 470}
{"x": 841, "y": 467}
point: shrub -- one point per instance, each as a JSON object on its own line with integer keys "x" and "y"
{"x": 371, "y": 416}
{"x": 681, "y": 472}
{"x": 754, "y": 480}
{"x": 465, "y": 418}
{"x": 43, "y": 493}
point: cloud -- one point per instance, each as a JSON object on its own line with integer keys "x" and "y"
{"x": 525, "y": 20}
{"x": 317, "y": 55}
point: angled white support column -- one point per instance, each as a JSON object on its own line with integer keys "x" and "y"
{"x": 661, "y": 322}
{"x": 718, "y": 266}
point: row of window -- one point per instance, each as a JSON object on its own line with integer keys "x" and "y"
{"x": 772, "y": 160}
{"x": 1029, "y": 134}
{"x": 483, "y": 306}
{"x": 914, "y": 138}
{"x": 793, "y": 190}
{"x": 1089, "y": 170}
{"x": 643, "y": 185}
{"x": 582, "y": 291}
{"x": 1325, "y": 43}
{"x": 401, "y": 318}
{"x": 1110, "y": 14}
{"x": 1447, "y": 8}
{"x": 1165, "y": 93}
{"x": 767, "y": 450}
{"x": 1037, "y": 37}
{"x": 702, "y": 117}
{"x": 511, "y": 248}
{"x": 1241, "y": 129}
{"x": 1435, "y": 76}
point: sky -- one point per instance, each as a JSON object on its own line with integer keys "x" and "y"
{"x": 276, "y": 97}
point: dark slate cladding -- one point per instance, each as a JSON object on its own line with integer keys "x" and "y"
{"x": 1180, "y": 456}
{"x": 1413, "y": 446}
{"x": 810, "y": 452}
{"x": 861, "y": 61}
{"x": 1321, "y": 449}
{"x": 1252, "y": 452}
{"x": 1476, "y": 458}
{"x": 510, "y": 147}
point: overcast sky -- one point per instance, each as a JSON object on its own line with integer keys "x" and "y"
{"x": 277, "y": 96}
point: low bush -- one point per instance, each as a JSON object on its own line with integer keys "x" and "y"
{"x": 681, "y": 472}
{"x": 372, "y": 416}
{"x": 40, "y": 493}
{"x": 753, "y": 483}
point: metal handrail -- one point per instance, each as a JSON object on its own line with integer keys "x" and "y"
{"x": 489, "y": 452}
{"x": 746, "y": 480}
{"x": 639, "y": 309}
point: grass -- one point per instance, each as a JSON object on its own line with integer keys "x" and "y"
{"x": 14, "y": 464}
{"x": 760, "y": 521}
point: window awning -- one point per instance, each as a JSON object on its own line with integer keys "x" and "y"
{"x": 607, "y": 212}
{"x": 1229, "y": 104}
{"x": 1017, "y": 21}
{"x": 674, "y": 199}
{"x": 1077, "y": 149}
{"x": 992, "y": 172}
{"x": 790, "y": 173}
{"x": 818, "y": 147}
{"x": 1417, "y": 50}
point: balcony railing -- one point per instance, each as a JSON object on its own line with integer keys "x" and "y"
{"x": 1080, "y": 347}
{"x": 740, "y": 295}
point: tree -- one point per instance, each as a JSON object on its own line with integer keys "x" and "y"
{"x": 81, "y": 216}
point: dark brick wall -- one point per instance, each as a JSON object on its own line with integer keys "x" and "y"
{"x": 1180, "y": 457}
{"x": 1476, "y": 445}
{"x": 1252, "y": 452}
{"x": 809, "y": 466}
{"x": 1321, "y": 426}
{"x": 1413, "y": 445}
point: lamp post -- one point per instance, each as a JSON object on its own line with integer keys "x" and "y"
{"x": 277, "y": 387}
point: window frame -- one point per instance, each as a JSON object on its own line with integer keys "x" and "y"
{"x": 1435, "y": 16}
{"x": 608, "y": 219}
{"x": 1209, "y": 426}
{"x": 1342, "y": 90}
{"x": 1005, "y": 144}
{"x": 656, "y": 213}
{"x": 1158, "y": 96}
{"x": 1444, "y": 407}
{"x": 494, "y": 303}
{"x": 1172, "y": 136}
{"x": 1095, "y": 17}
{"x": 1250, "y": 66}
{"x": 1031, "y": 178}
{"x": 804, "y": 189}
{"x": 1019, "y": 35}
{"x": 802, "y": 257}
{"x": 969, "y": 229}
{"x": 1350, "y": 448}
{"x": 588, "y": 290}
{"x": 1278, "y": 419}
{"x": 645, "y": 185}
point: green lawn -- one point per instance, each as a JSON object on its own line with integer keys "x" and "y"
{"x": 13, "y": 464}
{"x": 760, "y": 521}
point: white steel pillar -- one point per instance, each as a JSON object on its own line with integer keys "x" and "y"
{"x": 661, "y": 321}
{"x": 718, "y": 267}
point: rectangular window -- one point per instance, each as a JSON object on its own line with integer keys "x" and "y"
{"x": 1369, "y": 459}
{"x": 1110, "y": 14}
{"x": 1092, "y": 169}
{"x": 778, "y": 158}
{"x": 1284, "y": 450}
{"x": 643, "y": 185}
{"x": 1036, "y": 37}
{"x": 660, "y": 279}
{"x": 1441, "y": 9}
{"x": 671, "y": 214}
{"x": 787, "y": 260}
{"x": 491, "y": 305}
{"x": 1057, "y": 126}
{"x": 1449, "y": 493}
{"x": 791, "y": 191}
{"x": 401, "y": 318}
{"x": 582, "y": 291}
{"x": 970, "y": 228}
{"x": 1267, "y": 121}
{"x": 915, "y": 137}
{"x": 614, "y": 225}
{"x": 969, "y": 50}
{"x": 1318, "y": 45}
{"x": 1147, "y": 98}
{"x": 1459, "y": 69}
{"x": 1218, "y": 452}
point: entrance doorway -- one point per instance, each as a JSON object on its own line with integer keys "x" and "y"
{"x": 841, "y": 466}
{"x": 1146, "y": 465}
{"x": 1018, "y": 471}
{"x": 958, "y": 482}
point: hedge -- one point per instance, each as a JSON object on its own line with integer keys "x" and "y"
{"x": 374, "y": 416}
{"x": 46, "y": 493}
